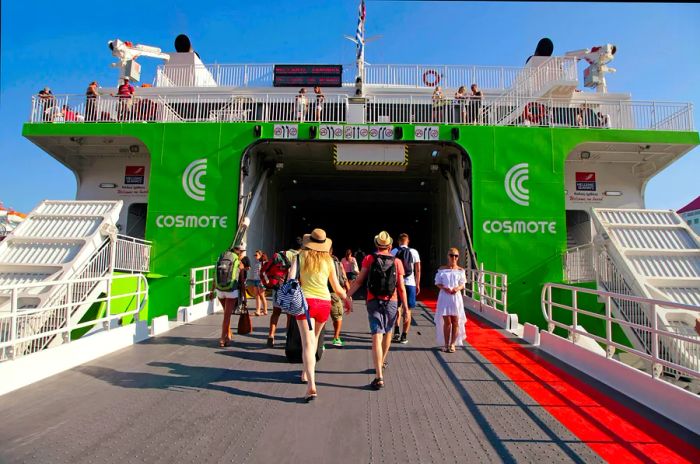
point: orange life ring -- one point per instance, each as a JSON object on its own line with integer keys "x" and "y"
{"x": 534, "y": 112}
{"x": 433, "y": 82}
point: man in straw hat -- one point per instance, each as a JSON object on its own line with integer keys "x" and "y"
{"x": 384, "y": 275}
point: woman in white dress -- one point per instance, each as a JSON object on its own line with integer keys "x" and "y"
{"x": 450, "y": 318}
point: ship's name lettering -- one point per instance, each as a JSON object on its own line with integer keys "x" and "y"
{"x": 520, "y": 227}
{"x": 191, "y": 222}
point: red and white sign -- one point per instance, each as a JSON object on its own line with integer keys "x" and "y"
{"x": 585, "y": 181}
{"x": 134, "y": 175}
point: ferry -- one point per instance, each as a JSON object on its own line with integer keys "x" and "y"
{"x": 538, "y": 177}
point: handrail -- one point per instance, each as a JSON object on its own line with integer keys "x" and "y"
{"x": 206, "y": 281}
{"x": 658, "y": 335}
{"x": 589, "y": 112}
{"x": 132, "y": 254}
{"x": 14, "y": 343}
{"x": 579, "y": 263}
{"x": 491, "y": 288}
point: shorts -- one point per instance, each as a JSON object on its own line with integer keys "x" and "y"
{"x": 319, "y": 310}
{"x": 222, "y": 294}
{"x": 254, "y": 283}
{"x": 336, "y": 308}
{"x": 382, "y": 315}
{"x": 411, "y": 296}
{"x": 351, "y": 275}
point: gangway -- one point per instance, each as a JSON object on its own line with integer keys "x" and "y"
{"x": 652, "y": 254}
{"x": 59, "y": 241}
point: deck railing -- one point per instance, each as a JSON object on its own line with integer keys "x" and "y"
{"x": 490, "y": 288}
{"x": 584, "y": 113}
{"x": 132, "y": 254}
{"x": 669, "y": 350}
{"x": 201, "y": 283}
{"x": 579, "y": 264}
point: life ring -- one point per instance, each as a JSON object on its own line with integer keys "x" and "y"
{"x": 534, "y": 112}
{"x": 433, "y": 82}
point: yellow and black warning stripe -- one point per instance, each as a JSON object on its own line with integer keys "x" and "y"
{"x": 370, "y": 163}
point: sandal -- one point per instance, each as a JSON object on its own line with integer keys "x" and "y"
{"x": 311, "y": 397}
{"x": 445, "y": 349}
{"x": 385, "y": 365}
{"x": 452, "y": 349}
{"x": 377, "y": 383}
{"x": 224, "y": 342}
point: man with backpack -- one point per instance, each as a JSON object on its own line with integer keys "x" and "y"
{"x": 384, "y": 276}
{"x": 336, "y": 302}
{"x": 411, "y": 265}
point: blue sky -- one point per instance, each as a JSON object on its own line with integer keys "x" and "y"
{"x": 64, "y": 45}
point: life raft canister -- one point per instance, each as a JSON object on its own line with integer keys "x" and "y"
{"x": 534, "y": 112}
{"x": 435, "y": 80}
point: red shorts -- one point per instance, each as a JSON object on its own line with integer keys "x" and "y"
{"x": 319, "y": 310}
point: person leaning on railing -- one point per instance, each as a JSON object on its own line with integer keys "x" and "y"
{"x": 91, "y": 95}
{"x": 47, "y": 102}
{"x": 475, "y": 101}
{"x": 460, "y": 101}
{"x": 438, "y": 103}
{"x": 125, "y": 93}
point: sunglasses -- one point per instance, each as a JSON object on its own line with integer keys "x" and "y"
{"x": 453, "y": 256}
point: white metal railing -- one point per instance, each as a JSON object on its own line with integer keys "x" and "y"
{"x": 594, "y": 112}
{"x": 190, "y": 108}
{"x": 132, "y": 254}
{"x": 491, "y": 288}
{"x": 683, "y": 350}
{"x": 21, "y": 333}
{"x": 201, "y": 282}
{"x": 579, "y": 264}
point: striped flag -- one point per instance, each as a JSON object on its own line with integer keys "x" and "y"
{"x": 360, "y": 32}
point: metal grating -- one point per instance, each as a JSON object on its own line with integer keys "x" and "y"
{"x": 54, "y": 227}
{"x": 685, "y": 295}
{"x": 76, "y": 208}
{"x": 663, "y": 239}
{"x": 41, "y": 253}
{"x": 667, "y": 266}
{"x": 637, "y": 217}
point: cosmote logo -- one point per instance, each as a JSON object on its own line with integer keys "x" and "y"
{"x": 192, "y": 179}
{"x": 194, "y": 188}
{"x": 515, "y": 178}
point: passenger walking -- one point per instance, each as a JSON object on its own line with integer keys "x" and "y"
{"x": 350, "y": 265}
{"x": 384, "y": 276}
{"x": 301, "y": 103}
{"x": 317, "y": 271}
{"x": 412, "y": 268}
{"x": 226, "y": 281}
{"x": 91, "y": 95}
{"x": 450, "y": 319}
{"x": 336, "y": 303}
{"x": 255, "y": 288}
{"x": 320, "y": 100}
{"x": 290, "y": 255}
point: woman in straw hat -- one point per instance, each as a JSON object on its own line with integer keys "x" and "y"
{"x": 317, "y": 270}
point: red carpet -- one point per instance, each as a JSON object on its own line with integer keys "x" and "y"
{"x": 612, "y": 430}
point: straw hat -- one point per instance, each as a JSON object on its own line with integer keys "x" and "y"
{"x": 383, "y": 239}
{"x": 317, "y": 240}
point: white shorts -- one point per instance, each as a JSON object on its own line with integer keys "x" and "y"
{"x": 221, "y": 294}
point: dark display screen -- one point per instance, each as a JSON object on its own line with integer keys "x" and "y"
{"x": 308, "y": 75}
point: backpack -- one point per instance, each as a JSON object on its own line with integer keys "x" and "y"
{"x": 342, "y": 278}
{"x": 381, "y": 280}
{"x": 406, "y": 257}
{"x": 226, "y": 277}
{"x": 274, "y": 271}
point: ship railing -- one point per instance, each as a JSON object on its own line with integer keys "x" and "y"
{"x": 18, "y": 332}
{"x": 189, "y": 108}
{"x": 592, "y": 112}
{"x": 579, "y": 264}
{"x": 201, "y": 284}
{"x": 493, "y": 78}
{"x": 580, "y": 112}
{"x": 132, "y": 254}
{"x": 568, "y": 316}
{"x": 490, "y": 288}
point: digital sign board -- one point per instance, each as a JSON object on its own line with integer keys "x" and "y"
{"x": 308, "y": 75}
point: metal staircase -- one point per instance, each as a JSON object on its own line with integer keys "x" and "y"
{"x": 654, "y": 254}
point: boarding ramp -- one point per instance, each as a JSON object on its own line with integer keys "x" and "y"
{"x": 652, "y": 254}
{"x": 60, "y": 241}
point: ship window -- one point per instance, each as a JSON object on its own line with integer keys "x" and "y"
{"x": 136, "y": 220}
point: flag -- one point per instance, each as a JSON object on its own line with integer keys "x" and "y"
{"x": 360, "y": 32}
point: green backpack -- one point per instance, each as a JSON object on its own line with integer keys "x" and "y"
{"x": 226, "y": 278}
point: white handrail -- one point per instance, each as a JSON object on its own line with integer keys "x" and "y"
{"x": 659, "y": 335}
{"x": 14, "y": 342}
{"x": 132, "y": 254}
{"x": 488, "y": 287}
{"x": 201, "y": 277}
{"x": 579, "y": 264}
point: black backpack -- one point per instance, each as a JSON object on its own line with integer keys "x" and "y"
{"x": 227, "y": 271}
{"x": 381, "y": 280}
{"x": 406, "y": 257}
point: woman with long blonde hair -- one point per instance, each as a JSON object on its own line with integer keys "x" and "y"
{"x": 317, "y": 271}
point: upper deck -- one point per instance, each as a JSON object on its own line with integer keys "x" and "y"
{"x": 541, "y": 94}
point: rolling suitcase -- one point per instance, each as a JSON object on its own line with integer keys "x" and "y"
{"x": 292, "y": 346}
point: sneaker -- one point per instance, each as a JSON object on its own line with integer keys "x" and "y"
{"x": 403, "y": 340}
{"x": 337, "y": 342}
{"x": 397, "y": 336}
{"x": 270, "y": 342}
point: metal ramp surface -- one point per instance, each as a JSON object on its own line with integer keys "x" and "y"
{"x": 180, "y": 398}
{"x": 652, "y": 253}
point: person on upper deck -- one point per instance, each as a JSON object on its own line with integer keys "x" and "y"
{"x": 461, "y": 99}
{"x": 301, "y": 102}
{"x": 47, "y": 102}
{"x": 320, "y": 100}
{"x": 125, "y": 93}
{"x": 438, "y": 102}
{"x": 91, "y": 95}
{"x": 475, "y": 102}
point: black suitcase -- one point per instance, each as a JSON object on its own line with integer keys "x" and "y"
{"x": 292, "y": 347}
